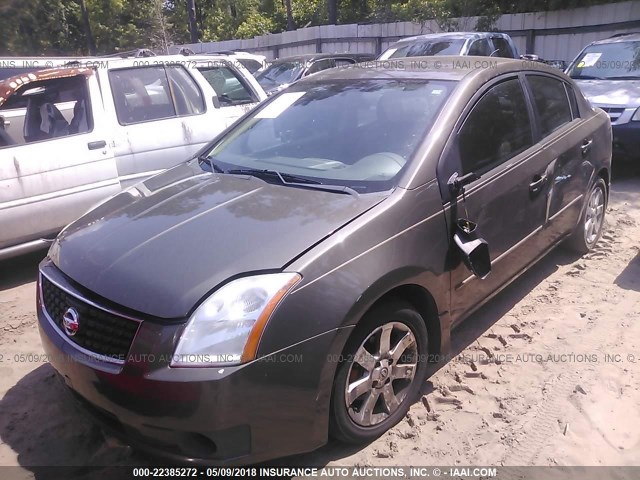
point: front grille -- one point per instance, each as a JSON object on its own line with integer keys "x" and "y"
{"x": 99, "y": 331}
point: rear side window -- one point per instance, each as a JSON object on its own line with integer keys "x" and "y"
{"x": 551, "y": 102}
{"x": 575, "y": 111}
{"x": 503, "y": 48}
{"x": 141, "y": 94}
{"x": 497, "y": 128}
{"x": 250, "y": 64}
{"x": 344, "y": 62}
{"x": 480, "y": 48}
{"x": 44, "y": 110}
{"x": 228, "y": 86}
{"x": 320, "y": 65}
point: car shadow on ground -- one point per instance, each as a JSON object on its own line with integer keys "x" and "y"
{"x": 629, "y": 278}
{"x": 463, "y": 336}
{"x": 20, "y": 270}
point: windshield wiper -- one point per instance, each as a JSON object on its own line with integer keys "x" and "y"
{"x": 283, "y": 177}
{"x": 294, "y": 180}
{"x": 208, "y": 161}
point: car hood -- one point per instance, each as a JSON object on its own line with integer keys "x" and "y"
{"x": 162, "y": 245}
{"x": 622, "y": 93}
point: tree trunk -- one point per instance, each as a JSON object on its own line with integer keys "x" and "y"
{"x": 290, "y": 25}
{"x": 332, "y": 8}
{"x": 193, "y": 25}
{"x": 88, "y": 34}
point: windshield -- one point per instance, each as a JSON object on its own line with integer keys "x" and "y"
{"x": 426, "y": 48}
{"x": 608, "y": 61}
{"x": 280, "y": 73}
{"x": 358, "y": 134}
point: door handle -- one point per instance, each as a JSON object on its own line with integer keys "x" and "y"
{"x": 536, "y": 185}
{"x": 96, "y": 145}
{"x": 586, "y": 146}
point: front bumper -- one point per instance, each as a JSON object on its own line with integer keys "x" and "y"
{"x": 626, "y": 141}
{"x": 268, "y": 408}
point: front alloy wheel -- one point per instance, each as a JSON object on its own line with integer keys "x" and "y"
{"x": 380, "y": 374}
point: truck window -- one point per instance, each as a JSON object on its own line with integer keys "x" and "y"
{"x": 186, "y": 93}
{"x": 503, "y": 48}
{"x": 480, "y": 47}
{"x": 141, "y": 94}
{"x": 43, "y": 110}
{"x": 229, "y": 87}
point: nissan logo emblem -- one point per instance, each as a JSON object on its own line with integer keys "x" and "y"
{"x": 71, "y": 321}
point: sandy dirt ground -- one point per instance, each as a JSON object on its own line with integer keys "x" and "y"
{"x": 547, "y": 373}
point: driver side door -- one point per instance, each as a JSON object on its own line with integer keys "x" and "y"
{"x": 495, "y": 140}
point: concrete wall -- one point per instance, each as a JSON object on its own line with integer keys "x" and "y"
{"x": 556, "y": 35}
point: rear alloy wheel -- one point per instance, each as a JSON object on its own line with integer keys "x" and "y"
{"x": 380, "y": 374}
{"x": 589, "y": 229}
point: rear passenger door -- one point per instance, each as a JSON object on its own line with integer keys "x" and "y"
{"x": 495, "y": 139}
{"x": 564, "y": 149}
{"x": 161, "y": 116}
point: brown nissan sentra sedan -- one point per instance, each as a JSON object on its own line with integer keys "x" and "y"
{"x": 292, "y": 282}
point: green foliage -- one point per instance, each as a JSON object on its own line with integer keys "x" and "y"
{"x": 54, "y": 27}
{"x": 255, "y": 24}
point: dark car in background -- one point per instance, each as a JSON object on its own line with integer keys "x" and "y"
{"x": 284, "y": 71}
{"x": 608, "y": 73}
{"x": 292, "y": 281}
{"x": 486, "y": 44}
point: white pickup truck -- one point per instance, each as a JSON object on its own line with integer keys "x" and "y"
{"x": 72, "y": 136}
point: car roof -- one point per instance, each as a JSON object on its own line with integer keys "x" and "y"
{"x": 620, "y": 38}
{"x": 309, "y": 57}
{"x": 451, "y": 36}
{"x": 446, "y": 67}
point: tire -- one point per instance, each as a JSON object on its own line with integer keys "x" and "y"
{"x": 589, "y": 228}
{"x": 371, "y": 411}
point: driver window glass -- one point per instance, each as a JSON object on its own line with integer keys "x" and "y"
{"x": 141, "y": 94}
{"x": 497, "y": 129}
{"x": 227, "y": 85}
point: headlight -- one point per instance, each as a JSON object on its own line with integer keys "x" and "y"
{"x": 226, "y": 329}
{"x": 636, "y": 116}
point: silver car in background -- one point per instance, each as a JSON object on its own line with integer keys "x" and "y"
{"x": 485, "y": 44}
{"x": 608, "y": 73}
